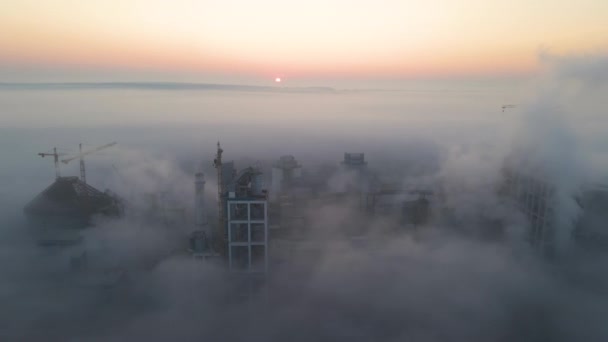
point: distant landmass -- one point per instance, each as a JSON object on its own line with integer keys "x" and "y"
{"x": 164, "y": 86}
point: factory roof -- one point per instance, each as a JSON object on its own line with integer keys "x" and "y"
{"x": 70, "y": 197}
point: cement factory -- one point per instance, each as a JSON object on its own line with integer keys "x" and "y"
{"x": 260, "y": 228}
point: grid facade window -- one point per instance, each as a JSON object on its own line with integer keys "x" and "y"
{"x": 534, "y": 198}
{"x": 248, "y": 236}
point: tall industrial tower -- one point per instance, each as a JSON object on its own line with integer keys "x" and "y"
{"x": 221, "y": 199}
{"x": 199, "y": 199}
{"x": 243, "y": 224}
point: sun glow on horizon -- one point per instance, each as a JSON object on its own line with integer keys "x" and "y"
{"x": 394, "y": 40}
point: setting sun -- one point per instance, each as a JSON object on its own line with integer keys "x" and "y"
{"x": 130, "y": 38}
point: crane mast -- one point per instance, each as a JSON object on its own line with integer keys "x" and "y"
{"x": 83, "y": 175}
{"x": 55, "y": 156}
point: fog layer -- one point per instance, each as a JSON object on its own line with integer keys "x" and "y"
{"x": 448, "y": 281}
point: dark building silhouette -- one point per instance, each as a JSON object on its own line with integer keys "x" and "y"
{"x": 69, "y": 202}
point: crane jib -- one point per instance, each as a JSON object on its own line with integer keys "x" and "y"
{"x": 67, "y": 160}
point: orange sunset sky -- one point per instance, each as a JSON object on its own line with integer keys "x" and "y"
{"x": 234, "y": 41}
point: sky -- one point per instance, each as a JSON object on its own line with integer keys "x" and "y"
{"x": 302, "y": 42}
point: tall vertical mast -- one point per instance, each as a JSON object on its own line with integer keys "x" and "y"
{"x": 220, "y": 193}
{"x": 56, "y": 159}
{"x": 56, "y": 156}
{"x": 83, "y": 176}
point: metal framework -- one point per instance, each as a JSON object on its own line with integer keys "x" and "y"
{"x": 534, "y": 198}
{"x": 55, "y": 156}
{"x": 247, "y": 221}
{"x": 81, "y": 154}
{"x": 248, "y": 236}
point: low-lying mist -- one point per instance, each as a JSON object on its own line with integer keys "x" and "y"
{"x": 449, "y": 280}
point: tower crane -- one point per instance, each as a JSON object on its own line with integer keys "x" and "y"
{"x": 507, "y": 106}
{"x": 55, "y": 155}
{"x": 81, "y": 155}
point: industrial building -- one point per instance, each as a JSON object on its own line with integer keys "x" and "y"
{"x": 590, "y": 229}
{"x": 65, "y": 206}
{"x": 70, "y": 202}
{"x": 259, "y": 228}
{"x": 58, "y": 213}
{"x": 534, "y": 197}
{"x": 539, "y": 200}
